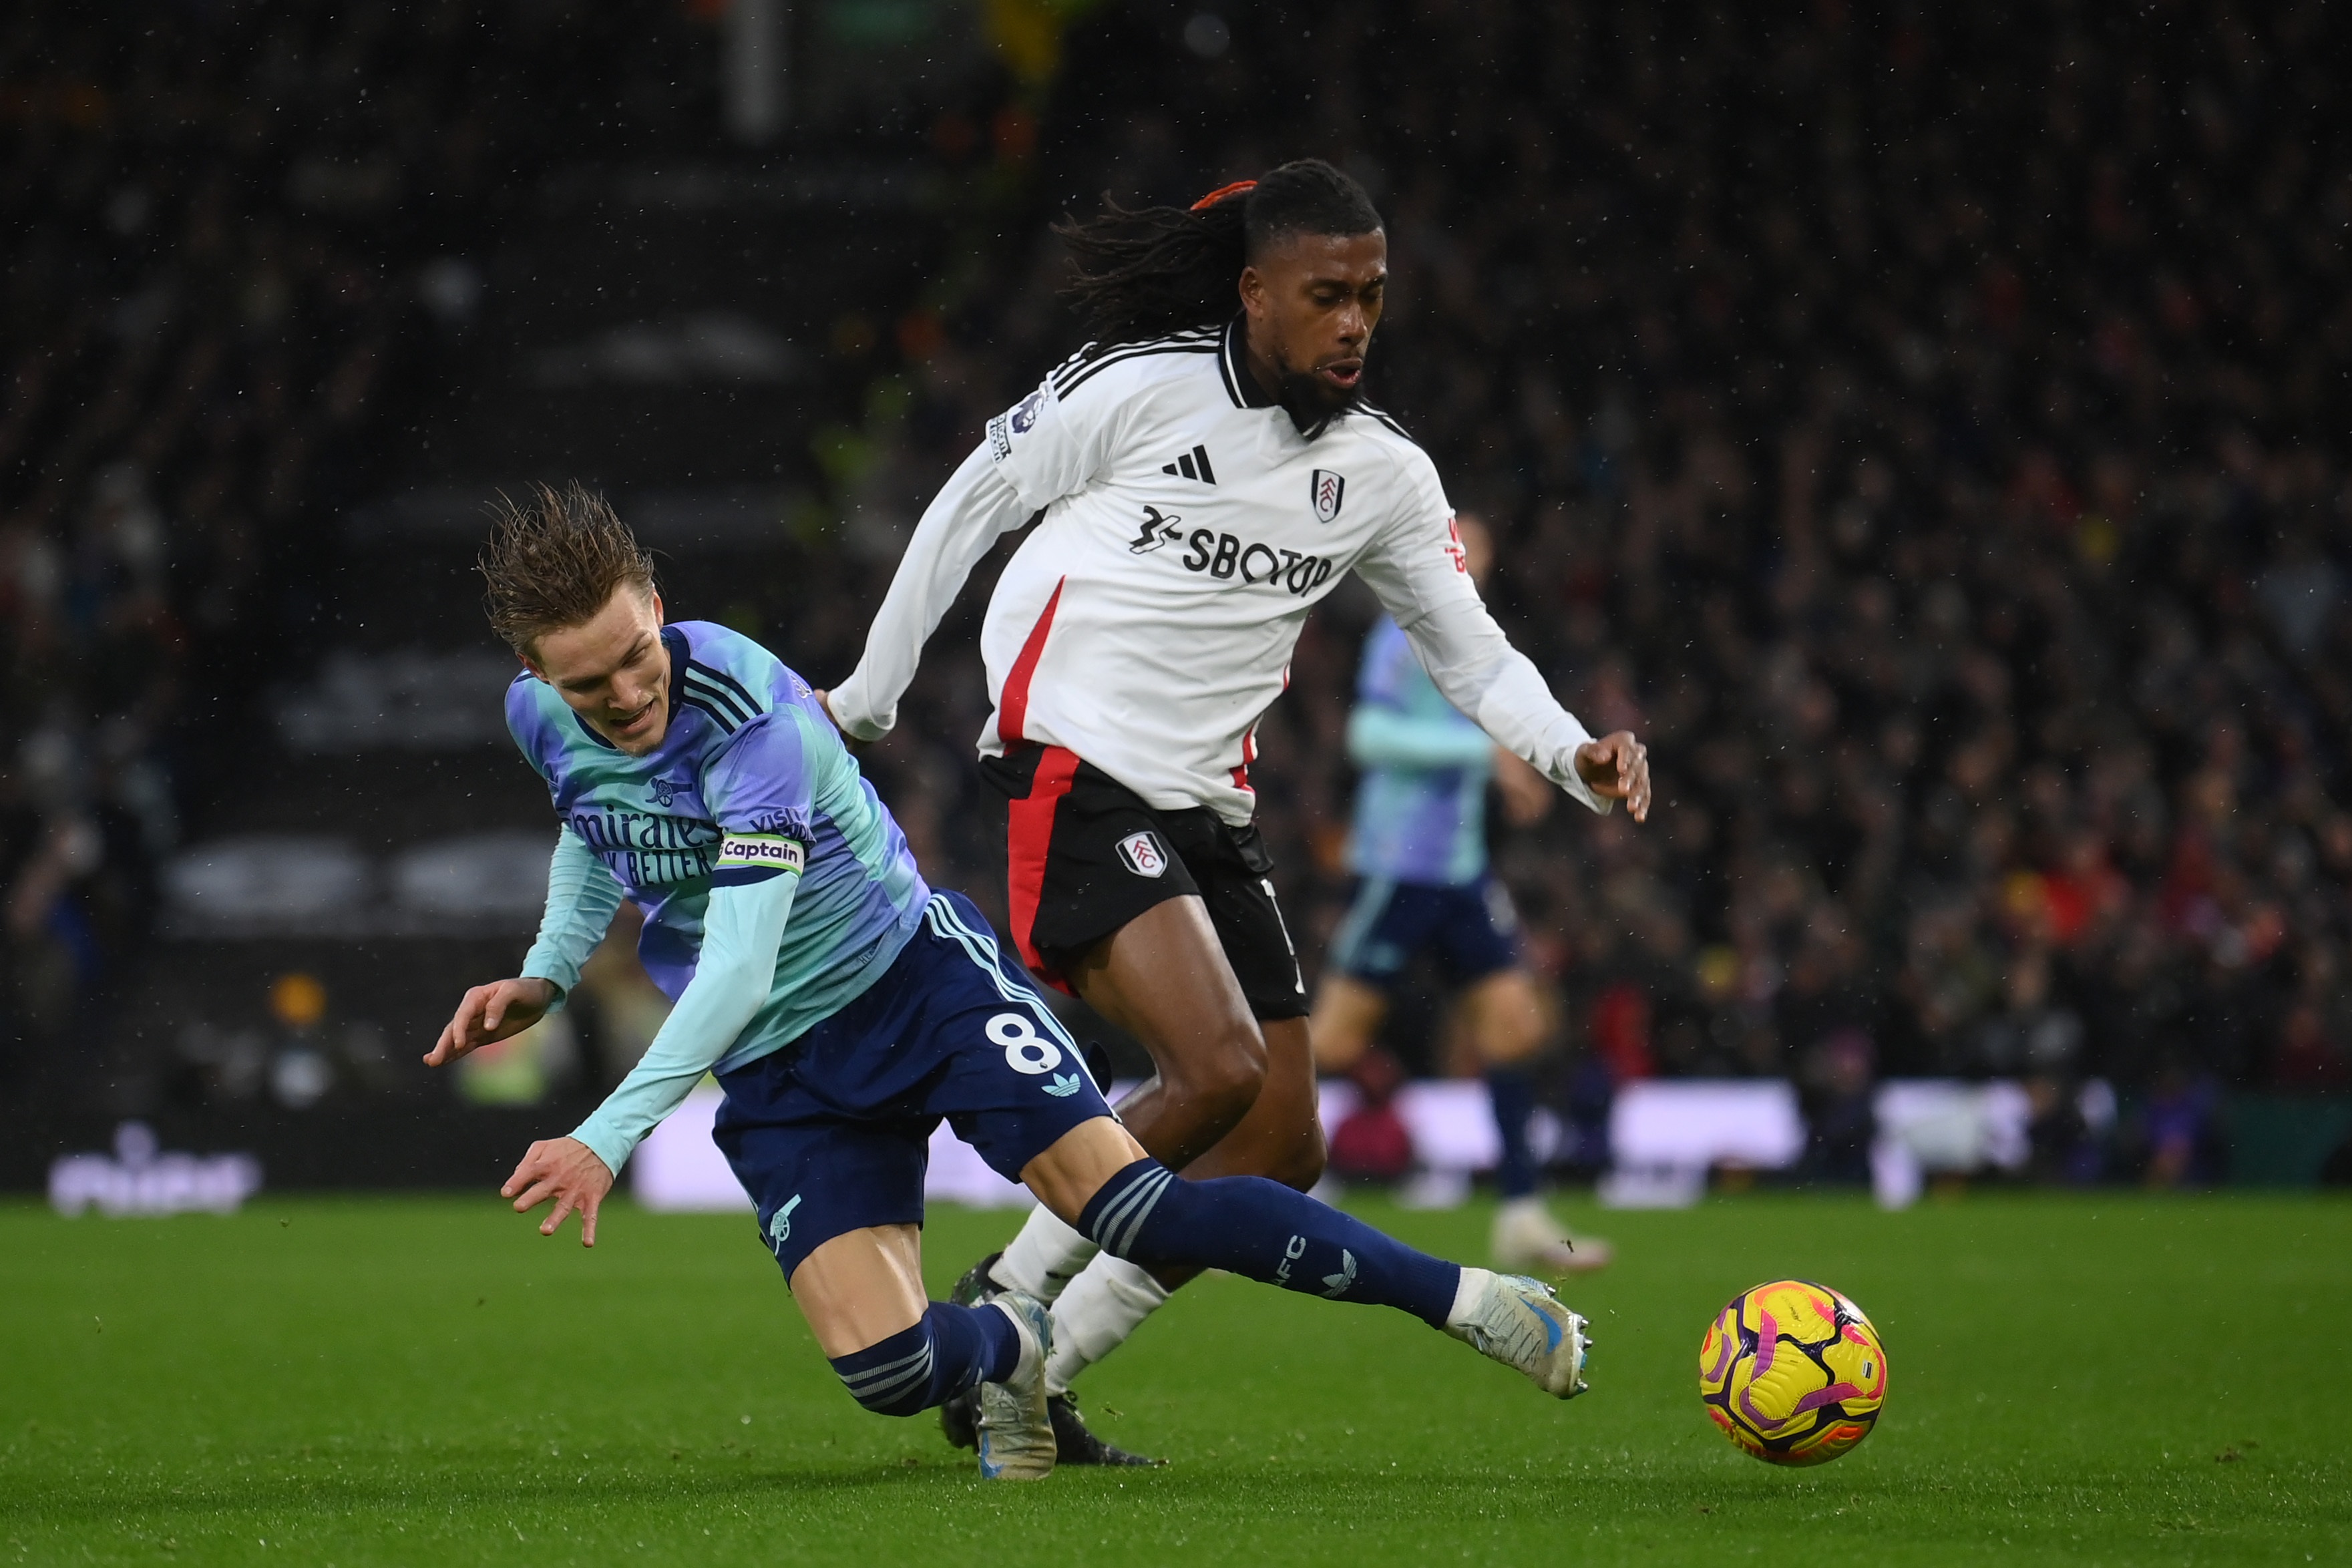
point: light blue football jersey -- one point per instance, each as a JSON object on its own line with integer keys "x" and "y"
{"x": 751, "y": 763}
{"x": 1421, "y": 806}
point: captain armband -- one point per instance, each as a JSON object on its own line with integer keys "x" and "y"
{"x": 756, "y": 857}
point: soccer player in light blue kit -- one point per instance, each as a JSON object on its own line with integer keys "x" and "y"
{"x": 1418, "y": 847}
{"x": 846, "y": 1007}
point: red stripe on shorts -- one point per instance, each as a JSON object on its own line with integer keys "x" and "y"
{"x": 1028, "y": 838}
{"x": 1013, "y": 708}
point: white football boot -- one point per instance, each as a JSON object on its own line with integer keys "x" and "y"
{"x": 1528, "y": 1239}
{"x": 1519, "y": 1321}
{"x": 1016, "y": 1430}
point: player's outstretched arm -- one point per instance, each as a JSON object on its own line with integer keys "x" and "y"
{"x": 1477, "y": 669}
{"x": 975, "y": 508}
{"x": 743, "y": 928}
{"x": 1418, "y": 572}
{"x": 582, "y": 896}
{"x": 729, "y": 983}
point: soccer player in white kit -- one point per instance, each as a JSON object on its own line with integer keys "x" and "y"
{"x": 1199, "y": 479}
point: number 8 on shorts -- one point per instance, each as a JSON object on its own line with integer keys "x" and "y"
{"x": 1026, "y": 1050}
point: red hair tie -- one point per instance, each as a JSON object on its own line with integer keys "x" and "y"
{"x": 1222, "y": 192}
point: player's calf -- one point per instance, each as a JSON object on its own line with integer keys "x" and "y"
{"x": 950, "y": 1351}
{"x": 1264, "y": 1231}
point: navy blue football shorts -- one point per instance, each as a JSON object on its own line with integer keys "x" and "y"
{"x": 1471, "y": 930}
{"x": 832, "y": 1133}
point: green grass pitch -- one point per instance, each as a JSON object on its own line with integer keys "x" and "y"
{"x": 2113, "y": 1379}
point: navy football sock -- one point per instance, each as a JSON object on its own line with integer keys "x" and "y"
{"x": 1249, "y": 1225}
{"x": 952, "y": 1348}
{"x": 1514, "y": 1094}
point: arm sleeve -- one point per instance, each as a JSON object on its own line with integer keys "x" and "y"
{"x": 581, "y": 895}
{"x": 741, "y": 930}
{"x": 1034, "y": 454}
{"x": 1384, "y": 738}
{"x": 972, "y": 510}
{"x": 1415, "y": 569}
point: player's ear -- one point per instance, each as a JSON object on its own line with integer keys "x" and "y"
{"x": 659, "y": 618}
{"x": 1253, "y": 292}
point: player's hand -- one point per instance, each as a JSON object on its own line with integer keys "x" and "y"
{"x": 1617, "y": 767}
{"x": 1526, "y": 794}
{"x": 568, "y": 1171}
{"x": 490, "y": 1013}
{"x": 825, "y": 701}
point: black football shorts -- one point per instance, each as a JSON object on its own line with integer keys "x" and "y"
{"x": 1084, "y": 855}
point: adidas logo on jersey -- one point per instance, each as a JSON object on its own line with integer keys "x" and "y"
{"x": 1192, "y": 465}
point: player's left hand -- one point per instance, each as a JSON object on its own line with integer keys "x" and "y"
{"x": 1617, "y": 767}
{"x": 568, "y": 1171}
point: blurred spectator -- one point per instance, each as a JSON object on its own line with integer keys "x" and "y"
{"x": 2181, "y": 1132}
{"x": 1835, "y": 1082}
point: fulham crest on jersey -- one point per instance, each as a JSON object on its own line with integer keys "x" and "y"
{"x": 1329, "y": 489}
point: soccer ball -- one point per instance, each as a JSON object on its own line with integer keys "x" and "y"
{"x": 1792, "y": 1373}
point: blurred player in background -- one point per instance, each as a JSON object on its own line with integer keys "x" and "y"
{"x": 846, "y": 1009}
{"x": 1200, "y": 478}
{"x": 1418, "y": 848}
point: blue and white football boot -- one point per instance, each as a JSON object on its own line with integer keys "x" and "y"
{"x": 1015, "y": 1430}
{"x": 1519, "y": 1321}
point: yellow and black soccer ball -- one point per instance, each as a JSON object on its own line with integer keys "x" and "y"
{"x": 1792, "y": 1372}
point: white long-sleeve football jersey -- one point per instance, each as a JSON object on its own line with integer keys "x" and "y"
{"x": 1185, "y": 529}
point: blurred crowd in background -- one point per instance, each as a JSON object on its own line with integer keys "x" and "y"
{"x": 235, "y": 243}
{"x": 1927, "y": 434}
{"x": 1925, "y": 430}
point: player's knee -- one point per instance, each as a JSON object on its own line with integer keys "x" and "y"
{"x": 1301, "y": 1163}
{"x": 1225, "y": 1081}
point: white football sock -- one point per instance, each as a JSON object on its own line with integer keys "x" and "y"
{"x": 1107, "y": 1302}
{"x": 1465, "y": 1295}
{"x": 1043, "y": 1259}
{"x": 1027, "y": 1365}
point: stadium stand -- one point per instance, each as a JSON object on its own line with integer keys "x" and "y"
{"x": 1925, "y": 429}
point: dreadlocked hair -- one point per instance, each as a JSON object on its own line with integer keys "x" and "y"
{"x": 1144, "y": 272}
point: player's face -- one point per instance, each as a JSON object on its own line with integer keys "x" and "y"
{"x": 1313, "y": 300}
{"x": 613, "y": 669}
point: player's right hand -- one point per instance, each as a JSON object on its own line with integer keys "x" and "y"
{"x": 489, "y": 1012}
